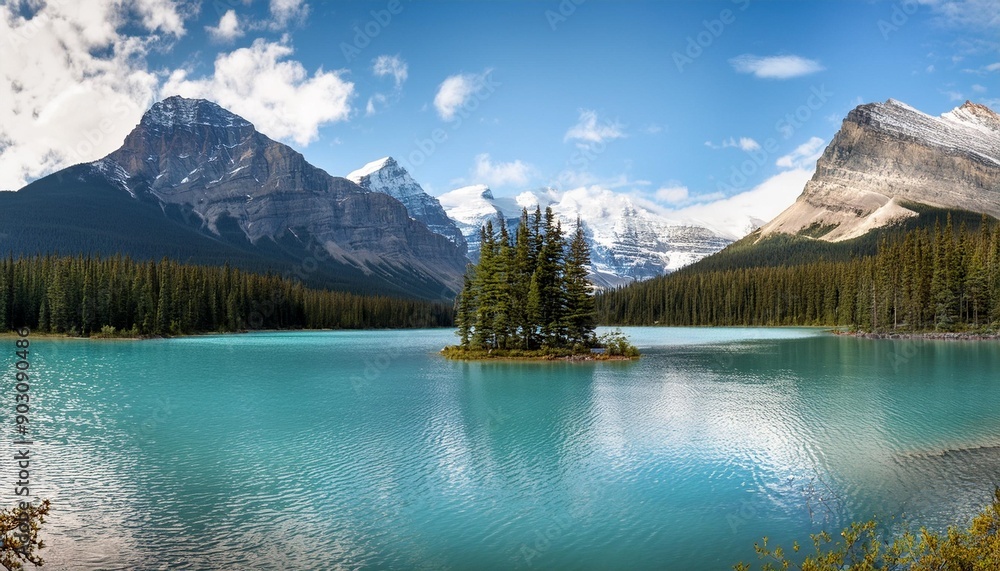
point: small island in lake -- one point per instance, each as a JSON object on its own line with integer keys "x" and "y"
{"x": 528, "y": 297}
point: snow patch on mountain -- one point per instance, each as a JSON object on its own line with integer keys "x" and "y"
{"x": 178, "y": 111}
{"x": 388, "y": 177}
{"x": 889, "y": 155}
{"x": 630, "y": 239}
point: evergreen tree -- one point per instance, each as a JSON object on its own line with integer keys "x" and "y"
{"x": 487, "y": 288}
{"x": 529, "y": 292}
{"x": 580, "y": 317}
{"x": 520, "y": 282}
{"x": 548, "y": 271}
{"x": 465, "y": 309}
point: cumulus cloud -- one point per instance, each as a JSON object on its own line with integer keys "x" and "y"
{"x": 285, "y": 12}
{"x": 391, "y": 65}
{"x": 590, "y": 130}
{"x": 803, "y": 156}
{"x": 456, "y": 91}
{"x": 162, "y": 15}
{"x": 228, "y": 28}
{"x": 499, "y": 174}
{"x": 672, "y": 194}
{"x": 73, "y": 56}
{"x": 775, "y": 67}
{"x": 738, "y": 215}
{"x": 277, "y": 95}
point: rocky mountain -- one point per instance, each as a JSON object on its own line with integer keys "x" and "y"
{"x": 470, "y": 207}
{"x": 628, "y": 241}
{"x": 213, "y": 187}
{"x": 887, "y": 159}
{"x": 388, "y": 177}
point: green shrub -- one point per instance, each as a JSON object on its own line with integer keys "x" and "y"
{"x": 976, "y": 548}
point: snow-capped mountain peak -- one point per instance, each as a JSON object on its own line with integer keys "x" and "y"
{"x": 975, "y": 115}
{"x": 178, "y": 111}
{"x": 629, "y": 241}
{"x": 389, "y": 177}
{"x": 888, "y": 156}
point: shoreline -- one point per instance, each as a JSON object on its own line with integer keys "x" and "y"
{"x": 542, "y": 359}
{"x": 13, "y": 335}
{"x": 924, "y": 335}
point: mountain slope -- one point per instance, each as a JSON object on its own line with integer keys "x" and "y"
{"x": 470, "y": 207}
{"x": 388, "y": 177}
{"x": 628, "y": 241}
{"x": 889, "y": 156}
{"x": 221, "y": 188}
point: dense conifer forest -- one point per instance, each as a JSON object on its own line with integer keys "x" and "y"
{"x": 120, "y": 296}
{"x": 940, "y": 279}
{"x": 529, "y": 291}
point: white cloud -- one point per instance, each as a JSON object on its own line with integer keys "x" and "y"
{"x": 228, "y": 28}
{"x": 672, "y": 194}
{"x": 953, "y": 95}
{"x": 457, "y": 90}
{"x": 736, "y": 216}
{"x": 978, "y": 14}
{"x": 75, "y": 83}
{"x": 733, "y": 216}
{"x": 386, "y": 65}
{"x": 979, "y": 88}
{"x": 285, "y": 12}
{"x": 803, "y": 156}
{"x": 743, "y": 143}
{"x": 589, "y": 130}
{"x": 391, "y": 65}
{"x": 374, "y": 102}
{"x": 501, "y": 174}
{"x": 725, "y": 144}
{"x": 160, "y": 15}
{"x": 993, "y": 67}
{"x": 775, "y": 67}
{"x": 277, "y": 95}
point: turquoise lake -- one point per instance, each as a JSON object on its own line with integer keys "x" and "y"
{"x": 367, "y": 450}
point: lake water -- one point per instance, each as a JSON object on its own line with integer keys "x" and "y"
{"x": 366, "y": 450}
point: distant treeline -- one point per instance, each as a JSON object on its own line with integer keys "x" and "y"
{"x": 85, "y": 295}
{"x": 942, "y": 279}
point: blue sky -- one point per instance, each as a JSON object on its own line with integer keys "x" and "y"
{"x": 662, "y": 100}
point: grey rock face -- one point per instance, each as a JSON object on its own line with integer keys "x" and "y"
{"x": 388, "y": 177}
{"x": 887, "y": 155}
{"x": 194, "y": 154}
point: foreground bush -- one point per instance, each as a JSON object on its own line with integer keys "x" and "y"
{"x": 863, "y": 548}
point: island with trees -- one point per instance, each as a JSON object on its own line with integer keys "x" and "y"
{"x": 529, "y": 297}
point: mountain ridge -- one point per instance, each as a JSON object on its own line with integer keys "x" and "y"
{"x": 889, "y": 154}
{"x": 385, "y": 175}
{"x": 236, "y": 186}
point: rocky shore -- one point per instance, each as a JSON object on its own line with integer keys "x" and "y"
{"x": 929, "y": 335}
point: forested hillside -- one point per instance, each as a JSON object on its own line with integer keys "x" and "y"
{"x": 84, "y": 295}
{"x": 942, "y": 279}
